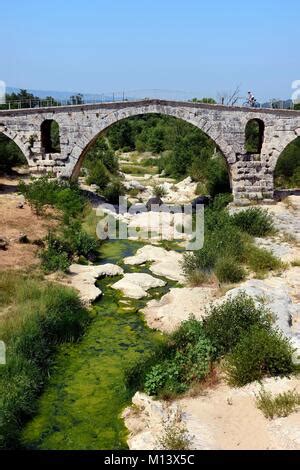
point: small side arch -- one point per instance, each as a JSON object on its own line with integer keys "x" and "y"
{"x": 50, "y": 136}
{"x": 287, "y": 168}
{"x": 254, "y": 136}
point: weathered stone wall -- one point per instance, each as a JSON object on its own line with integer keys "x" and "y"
{"x": 251, "y": 175}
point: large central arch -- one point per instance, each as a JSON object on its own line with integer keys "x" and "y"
{"x": 212, "y": 130}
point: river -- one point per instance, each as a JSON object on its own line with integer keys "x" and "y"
{"x": 82, "y": 403}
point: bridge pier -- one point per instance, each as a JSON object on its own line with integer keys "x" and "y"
{"x": 251, "y": 180}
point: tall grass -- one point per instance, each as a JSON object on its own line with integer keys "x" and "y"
{"x": 38, "y": 316}
{"x": 229, "y": 246}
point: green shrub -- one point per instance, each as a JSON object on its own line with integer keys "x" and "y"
{"x": 78, "y": 242}
{"x": 98, "y": 174}
{"x": 261, "y": 260}
{"x": 135, "y": 373}
{"x": 10, "y": 155}
{"x": 42, "y": 316}
{"x": 133, "y": 170}
{"x": 228, "y": 322}
{"x": 113, "y": 191}
{"x": 164, "y": 379}
{"x": 159, "y": 191}
{"x": 221, "y": 239}
{"x": 227, "y": 269}
{"x": 188, "y": 360}
{"x": 280, "y": 405}
{"x": 221, "y": 201}
{"x": 175, "y": 435}
{"x": 100, "y": 152}
{"x": 55, "y": 256}
{"x": 188, "y": 333}
{"x": 197, "y": 278}
{"x": 63, "y": 195}
{"x": 255, "y": 221}
{"x": 260, "y": 352}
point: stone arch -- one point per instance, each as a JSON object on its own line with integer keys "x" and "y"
{"x": 279, "y": 143}
{"x": 288, "y": 163}
{"x": 49, "y": 142}
{"x": 23, "y": 145}
{"x": 210, "y": 127}
{"x": 254, "y": 135}
{"x": 13, "y": 154}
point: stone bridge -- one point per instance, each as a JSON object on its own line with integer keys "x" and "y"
{"x": 251, "y": 175}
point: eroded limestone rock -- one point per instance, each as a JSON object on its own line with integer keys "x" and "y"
{"x": 177, "y": 306}
{"x": 136, "y": 285}
{"x": 83, "y": 278}
{"x": 165, "y": 263}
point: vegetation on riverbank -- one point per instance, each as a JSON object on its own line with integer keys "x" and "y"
{"x": 69, "y": 240}
{"x": 238, "y": 334}
{"x": 228, "y": 245}
{"x": 37, "y": 317}
{"x": 278, "y": 406}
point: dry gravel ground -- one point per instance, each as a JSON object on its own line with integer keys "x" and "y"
{"x": 15, "y": 221}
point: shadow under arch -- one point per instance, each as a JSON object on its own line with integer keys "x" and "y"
{"x": 12, "y": 153}
{"x": 287, "y": 167}
{"x": 50, "y": 136}
{"x": 224, "y": 153}
{"x": 254, "y": 135}
{"x": 24, "y": 148}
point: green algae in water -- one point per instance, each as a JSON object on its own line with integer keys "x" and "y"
{"x": 86, "y": 393}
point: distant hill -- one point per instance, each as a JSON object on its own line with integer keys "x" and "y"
{"x": 65, "y": 95}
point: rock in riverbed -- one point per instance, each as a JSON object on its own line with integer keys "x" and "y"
{"x": 135, "y": 285}
{"x": 165, "y": 263}
{"x": 83, "y": 278}
{"x": 177, "y": 305}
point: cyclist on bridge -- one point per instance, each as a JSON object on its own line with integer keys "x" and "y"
{"x": 251, "y": 99}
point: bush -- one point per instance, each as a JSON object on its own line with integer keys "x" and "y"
{"x": 260, "y": 352}
{"x": 98, "y": 175}
{"x": 159, "y": 191}
{"x": 78, "y": 242}
{"x": 62, "y": 248}
{"x": 261, "y": 260}
{"x": 63, "y": 195}
{"x": 175, "y": 435}
{"x": 222, "y": 239}
{"x": 113, "y": 191}
{"x": 227, "y": 269}
{"x": 228, "y": 322}
{"x": 100, "y": 152}
{"x": 197, "y": 278}
{"x": 220, "y": 201}
{"x": 54, "y": 260}
{"x": 135, "y": 373}
{"x": 255, "y": 221}
{"x": 188, "y": 360}
{"x": 280, "y": 405}
{"x": 42, "y": 316}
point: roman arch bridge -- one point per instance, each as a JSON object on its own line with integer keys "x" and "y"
{"x": 251, "y": 174}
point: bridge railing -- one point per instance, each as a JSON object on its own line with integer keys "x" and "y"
{"x": 116, "y": 97}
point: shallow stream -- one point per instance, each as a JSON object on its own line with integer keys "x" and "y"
{"x": 82, "y": 404}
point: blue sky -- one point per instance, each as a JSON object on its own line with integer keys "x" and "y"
{"x": 192, "y": 45}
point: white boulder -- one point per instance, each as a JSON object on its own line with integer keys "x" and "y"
{"x": 83, "y": 278}
{"x": 136, "y": 285}
{"x": 165, "y": 263}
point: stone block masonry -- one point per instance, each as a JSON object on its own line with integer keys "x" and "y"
{"x": 251, "y": 175}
